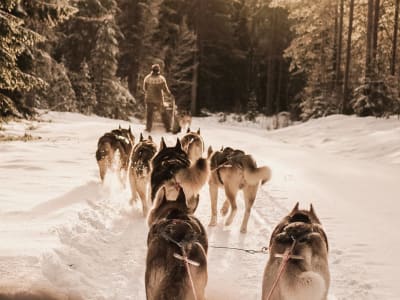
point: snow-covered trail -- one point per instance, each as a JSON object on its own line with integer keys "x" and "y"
{"x": 63, "y": 228}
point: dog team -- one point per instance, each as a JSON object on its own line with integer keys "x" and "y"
{"x": 168, "y": 179}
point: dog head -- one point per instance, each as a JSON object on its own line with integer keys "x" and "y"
{"x": 193, "y": 144}
{"x": 142, "y": 155}
{"x": 163, "y": 208}
{"x": 125, "y": 133}
{"x": 305, "y": 228}
{"x": 166, "y": 163}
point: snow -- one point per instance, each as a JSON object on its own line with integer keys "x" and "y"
{"x": 61, "y": 228}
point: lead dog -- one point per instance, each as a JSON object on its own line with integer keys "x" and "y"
{"x": 175, "y": 235}
{"x": 307, "y": 274}
{"x": 234, "y": 170}
{"x": 119, "y": 141}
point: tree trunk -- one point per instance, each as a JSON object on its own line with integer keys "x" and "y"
{"x": 335, "y": 44}
{"x": 278, "y": 107}
{"x": 270, "y": 86}
{"x": 368, "y": 50}
{"x": 375, "y": 34}
{"x": 395, "y": 33}
{"x": 338, "y": 76}
{"x": 193, "y": 103}
{"x": 348, "y": 56}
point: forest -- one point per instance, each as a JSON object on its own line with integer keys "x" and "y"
{"x": 311, "y": 58}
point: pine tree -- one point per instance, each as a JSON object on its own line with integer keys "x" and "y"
{"x": 84, "y": 90}
{"x": 15, "y": 40}
{"x": 131, "y": 19}
{"x": 112, "y": 97}
{"x": 182, "y": 67}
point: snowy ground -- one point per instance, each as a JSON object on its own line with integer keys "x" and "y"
{"x": 60, "y": 227}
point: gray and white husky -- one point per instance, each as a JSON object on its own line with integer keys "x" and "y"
{"x": 306, "y": 276}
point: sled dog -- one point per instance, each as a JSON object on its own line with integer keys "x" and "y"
{"x": 33, "y": 291}
{"x": 193, "y": 144}
{"x": 118, "y": 141}
{"x": 172, "y": 170}
{"x": 175, "y": 237}
{"x": 185, "y": 119}
{"x": 140, "y": 169}
{"x": 306, "y": 276}
{"x": 234, "y": 170}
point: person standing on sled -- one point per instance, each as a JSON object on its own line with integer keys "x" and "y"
{"x": 154, "y": 87}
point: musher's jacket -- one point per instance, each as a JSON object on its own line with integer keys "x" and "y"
{"x": 154, "y": 87}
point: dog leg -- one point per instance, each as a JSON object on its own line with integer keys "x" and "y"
{"x": 133, "y": 189}
{"x": 231, "y": 192}
{"x": 143, "y": 196}
{"x": 225, "y": 208}
{"x": 214, "y": 199}
{"x": 249, "y": 195}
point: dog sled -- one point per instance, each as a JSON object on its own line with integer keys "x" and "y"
{"x": 169, "y": 112}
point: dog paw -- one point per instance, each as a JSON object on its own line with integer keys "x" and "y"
{"x": 224, "y": 209}
{"x": 243, "y": 230}
{"x": 213, "y": 222}
{"x": 228, "y": 222}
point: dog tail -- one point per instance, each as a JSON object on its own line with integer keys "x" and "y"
{"x": 255, "y": 175}
{"x": 193, "y": 178}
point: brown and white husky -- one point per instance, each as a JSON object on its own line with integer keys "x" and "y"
{"x": 140, "y": 170}
{"x": 175, "y": 236}
{"x": 234, "y": 170}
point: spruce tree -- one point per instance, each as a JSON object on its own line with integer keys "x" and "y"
{"x": 15, "y": 40}
{"x": 84, "y": 90}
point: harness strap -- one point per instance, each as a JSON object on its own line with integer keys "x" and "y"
{"x": 285, "y": 259}
{"x": 219, "y": 177}
{"x": 190, "y": 274}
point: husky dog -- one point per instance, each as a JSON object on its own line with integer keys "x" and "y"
{"x": 174, "y": 237}
{"x": 281, "y": 120}
{"x": 182, "y": 121}
{"x": 234, "y": 170}
{"x": 306, "y": 276}
{"x": 117, "y": 141}
{"x": 172, "y": 170}
{"x": 25, "y": 292}
{"x": 185, "y": 119}
{"x": 193, "y": 144}
{"x": 140, "y": 169}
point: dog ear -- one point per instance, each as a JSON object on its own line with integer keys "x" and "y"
{"x": 188, "y": 130}
{"x": 181, "y": 200}
{"x": 178, "y": 145}
{"x": 198, "y": 131}
{"x": 162, "y": 144}
{"x": 295, "y": 209}
{"x": 159, "y": 199}
{"x": 209, "y": 151}
{"x": 150, "y": 138}
{"x": 141, "y": 137}
{"x": 313, "y": 214}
